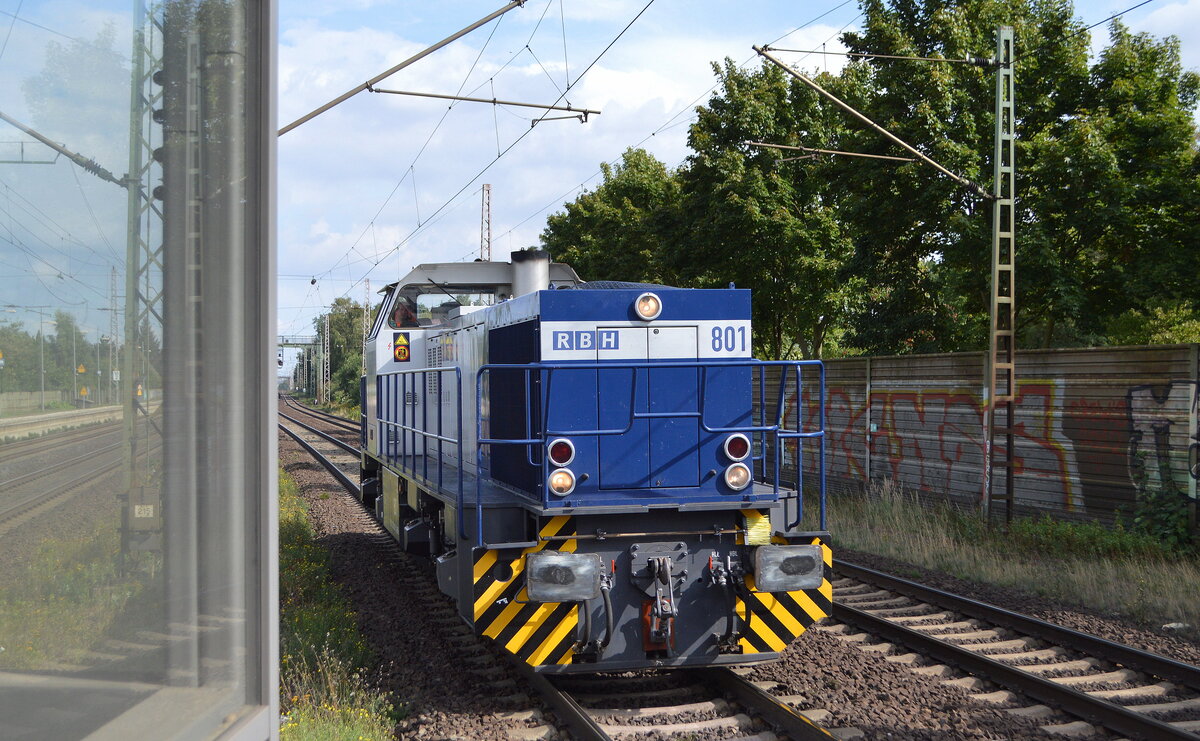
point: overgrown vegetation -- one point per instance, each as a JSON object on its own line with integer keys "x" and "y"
{"x": 325, "y": 692}
{"x": 1121, "y": 569}
{"x": 65, "y": 598}
{"x": 862, "y": 256}
{"x": 345, "y": 354}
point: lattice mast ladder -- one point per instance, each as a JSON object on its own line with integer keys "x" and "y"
{"x": 325, "y": 363}
{"x": 141, "y": 503}
{"x": 485, "y": 225}
{"x": 1001, "y": 390}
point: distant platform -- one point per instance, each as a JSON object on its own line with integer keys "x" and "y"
{"x": 39, "y": 424}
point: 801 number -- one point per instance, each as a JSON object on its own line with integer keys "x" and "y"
{"x": 729, "y": 339}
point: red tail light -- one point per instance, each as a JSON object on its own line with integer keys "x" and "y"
{"x": 737, "y": 447}
{"x": 562, "y": 452}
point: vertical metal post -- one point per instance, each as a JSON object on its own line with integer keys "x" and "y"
{"x": 1000, "y": 393}
{"x": 485, "y": 225}
{"x": 870, "y": 426}
{"x": 366, "y": 328}
{"x": 112, "y": 336}
{"x": 143, "y": 291}
{"x": 325, "y": 396}
{"x": 1193, "y": 450}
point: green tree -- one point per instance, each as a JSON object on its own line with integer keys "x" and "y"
{"x": 615, "y": 232}
{"x": 345, "y": 348}
{"x": 1106, "y": 163}
{"x": 765, "y": 224}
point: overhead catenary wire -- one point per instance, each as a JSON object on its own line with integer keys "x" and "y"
{"x": 830, "y": 151}
{"x": 507, "y": 149}
{"x": 407, "y": 62}
{"x": 671, "y": 121}
{"x": 972, "y": 186}
{"x": 976, "y": 61}
{"x": 1080, "y": 32}
{"x": 370, "y": 224}
{"x": 667, "y": 125}
{"x": 493, "y": 101}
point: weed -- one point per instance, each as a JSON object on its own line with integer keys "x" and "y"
{"x": 324, "y": 690}
{"x": 1107, "y": 569}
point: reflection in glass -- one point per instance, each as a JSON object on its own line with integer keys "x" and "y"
{"x": 128, "y": 484}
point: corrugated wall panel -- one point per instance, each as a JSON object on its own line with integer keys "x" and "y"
{"x": 1097, "y": 429}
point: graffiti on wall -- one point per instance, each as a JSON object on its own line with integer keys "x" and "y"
{"x": 1081, "y": 448}
{"x": 1157, "y": 445}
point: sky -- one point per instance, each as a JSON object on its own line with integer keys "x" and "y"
{"x": 383, "y": 182}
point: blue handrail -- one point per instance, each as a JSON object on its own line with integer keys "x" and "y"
{"x": 762, "y": 429}
{"x": 395, "y": 388}
{"x": 406, "y": 426}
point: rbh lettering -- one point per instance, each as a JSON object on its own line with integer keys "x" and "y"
{"x": 603, "y": 339}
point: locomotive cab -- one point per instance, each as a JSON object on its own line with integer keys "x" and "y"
{"x": 576, "y": 455}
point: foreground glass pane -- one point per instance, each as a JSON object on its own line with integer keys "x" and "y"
{"x": 132, "y": 495}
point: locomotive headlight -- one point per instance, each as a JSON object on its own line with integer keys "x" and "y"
{"x": 648, "y": 306}
{"x": 737, "y": 476}
{"x": 554, "y": 576}
{"x": 562, "y": 482}
{"x": 787, "y": 568}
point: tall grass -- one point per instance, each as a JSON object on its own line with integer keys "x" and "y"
{"x": 324, "y": 689}
{"x": 64, "y": 599}
{"x": 1086, "y": 564}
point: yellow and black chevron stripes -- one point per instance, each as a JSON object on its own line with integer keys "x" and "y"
{"x": 777, "y": 618}
{"x": 540, "y": 633}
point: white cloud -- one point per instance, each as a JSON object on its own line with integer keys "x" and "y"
{"x": 337, "y": 171}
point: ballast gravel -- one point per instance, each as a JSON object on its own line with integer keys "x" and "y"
{"x": 1111, "y": 626}
{"x": 432, "y": 665}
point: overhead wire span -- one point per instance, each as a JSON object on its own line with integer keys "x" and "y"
{"x": 814, "y": 150}
{"x": 507, "y": 149}
{"x": 973, "y": 187}
{"x": 1080, "y": 32}
{"x": 393, "y": 70}
{"x": 976, "y": 61}
{"x": 668, "y": 124}
{"x": 494, "y": 101}
{"x": 424, "y": 146}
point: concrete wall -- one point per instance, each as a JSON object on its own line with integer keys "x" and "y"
{"x": 1096, "y": 428}
{"x": 29, "y": 402}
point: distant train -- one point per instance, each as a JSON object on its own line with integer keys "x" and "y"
{"x": 594, "y": 467}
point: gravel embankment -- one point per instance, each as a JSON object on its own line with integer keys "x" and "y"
{"x": 1110, "y": 626}
{"x": 427, "y": 666}
{"x": 419, "y": 662}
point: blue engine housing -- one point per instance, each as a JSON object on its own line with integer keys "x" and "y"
{"x": 646, "y": 405}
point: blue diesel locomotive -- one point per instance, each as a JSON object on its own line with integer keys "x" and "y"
{"x": 594, "y": 467}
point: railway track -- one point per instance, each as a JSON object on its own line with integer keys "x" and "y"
{"x": 333, "y": 419}
{"x": 716, "y": 703}
{"x": 17, "y": 449}
{"x": 91, "y": 466}
{"x": 1072, "y": 683}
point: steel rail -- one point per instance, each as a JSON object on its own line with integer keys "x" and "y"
{"x": 338, "y": 474}
{"x": 349, "y": 424}
{"x": 25, "y": 478}
{"x": 583, "y": 726}
{"x": 1100, "y": 712}
{"x": 1134, "y": 658}
{"x": 779, "y": 714}
{"x": 25, "y": 447}
{"x": 344, "y": 446}
{"x": 17, "y": 510}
